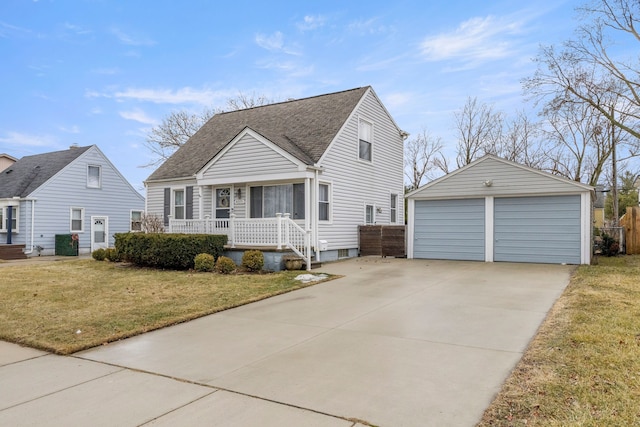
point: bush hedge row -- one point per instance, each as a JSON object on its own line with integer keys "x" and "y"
{"x": 169, "y": 251}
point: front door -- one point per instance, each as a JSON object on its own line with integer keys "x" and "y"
{"x": 223, "y": 202}
{"x": 99, "y": 232}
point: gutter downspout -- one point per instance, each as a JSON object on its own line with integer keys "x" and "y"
{"x": 33, "y": 221}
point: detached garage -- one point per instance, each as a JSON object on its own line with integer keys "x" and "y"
{"x": 496, "y": 210}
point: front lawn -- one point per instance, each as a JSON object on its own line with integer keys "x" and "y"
{"x": 67, "y": 306}
{"x": 583, "y": 367}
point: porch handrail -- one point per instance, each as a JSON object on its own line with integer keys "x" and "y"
{"x": 280, "y": 232}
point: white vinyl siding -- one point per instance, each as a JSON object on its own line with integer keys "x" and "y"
{"x": 69, "y": 189}
{"x": 355, "y": 182}
{"x": 249, "y": 157}
{"x": 76, "y": 220}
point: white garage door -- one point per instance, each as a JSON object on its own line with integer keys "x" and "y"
{"x": 537, "y": 229}
{"x": 449, "y": 229}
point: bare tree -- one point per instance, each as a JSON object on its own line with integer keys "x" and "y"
{"x": 421, "y": 158}
{"x": 520, "y": 142}
{"x": 585, "y": 70}
{"x": 479, "y": 131}
{"x": 176, "y": 128}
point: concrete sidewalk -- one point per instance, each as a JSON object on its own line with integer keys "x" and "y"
{"x": 394, "y": 343}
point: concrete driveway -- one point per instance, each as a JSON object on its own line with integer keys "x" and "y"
{"x": 395, "y": 342}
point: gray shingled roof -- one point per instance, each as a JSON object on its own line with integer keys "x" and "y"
{"x": 30, "y": 172}
{"x": 304, "y": 128}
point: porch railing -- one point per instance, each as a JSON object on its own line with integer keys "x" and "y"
{"x": 281, "y": 232}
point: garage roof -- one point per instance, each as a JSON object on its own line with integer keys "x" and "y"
{"x": 491, "y": 175}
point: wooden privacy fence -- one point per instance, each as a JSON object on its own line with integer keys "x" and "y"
{"x": 631, "y": 223}
{"x": 382, "y": 240}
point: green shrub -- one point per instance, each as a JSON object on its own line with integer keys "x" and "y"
{"x": 253, "y": 260}
{"x": 99, "y": 254}
{"x": 170, "y": 251}
{"x": 112, "y": 255}
{"x": 225, "y": 265}
{"x": 204, "y": 262}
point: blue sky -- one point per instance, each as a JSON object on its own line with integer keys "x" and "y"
{"x": 104, "y": 72}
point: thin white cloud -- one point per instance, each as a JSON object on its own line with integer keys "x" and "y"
{"x": 186, "y": 95}
{"x": 367, "y": 27}
{"x": 72, "y": 129}
{"x": 139, "y": 116}
{"x": 76, "y": 29}
{"x": 131, "y": 40}
{"x": 106, "y": 71}
{"x": 20, "y": 139}
{"x": 475, "y": 40}
{"x": 274, "y": 43}
{"x": 311, "y": 22}
{"x": 8, "y": 30}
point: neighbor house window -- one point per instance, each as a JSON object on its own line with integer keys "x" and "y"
{"x": 94, "y": 176}
{"x": 323, "y": 202}
{"x": 178, "y": 204}
{"x": 266, "y": 201}
{"x": 365, "y": 136}
{"x": 369, "y": 217}
{"x": 4, "y": 218}
{"x": 136, "y": 220}
{"x": 394, "y": 208}
{"x": 77, "y": 220}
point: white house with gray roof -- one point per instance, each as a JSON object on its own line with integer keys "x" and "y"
{"x": 299, "y": 175}
{"x": 76, "y": 192}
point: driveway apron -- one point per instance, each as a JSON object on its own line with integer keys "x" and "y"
{"x": 394, "y": 342}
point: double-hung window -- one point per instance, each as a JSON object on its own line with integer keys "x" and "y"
{"x": 365, "y": 140}
{"x": 394, "y": 209}
{"x": 136, "y": 220}
{"x": 4, "y": 218}
{"x": 369, "y": 215}
{"x": 94, "y": 176}
{"x": 323, "y": 202}
{"x": 76, "y": 220}
{"x": 178, "y": 204}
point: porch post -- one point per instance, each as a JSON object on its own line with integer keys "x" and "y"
{"x": 170, "y": 224}
{"x": 232, "y": 229}
{"x": 279, "y": 230}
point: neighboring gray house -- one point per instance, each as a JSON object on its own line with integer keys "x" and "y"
{"x": 329, "y": 163}
{"x": 75, "y": 192}
{"x": 496, "y": 210}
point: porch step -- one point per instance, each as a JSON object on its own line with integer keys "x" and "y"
{"x": 11, "y": 252}
{"x": 314, "y": 264}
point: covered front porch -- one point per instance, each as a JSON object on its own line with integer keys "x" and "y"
{"x": 280, "y": 233}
